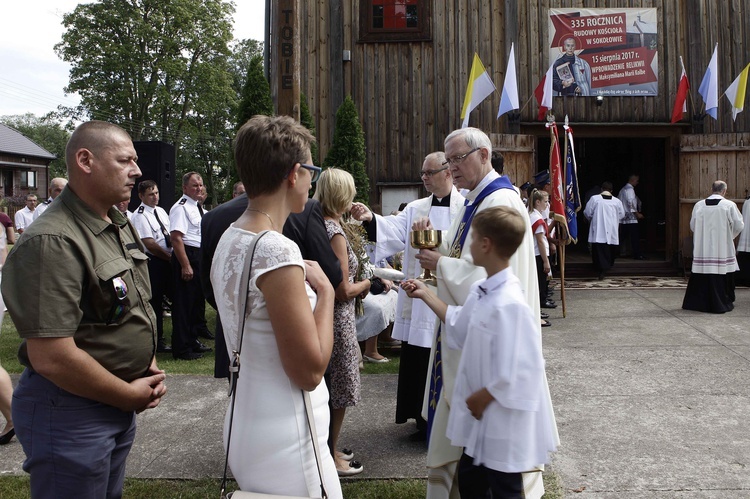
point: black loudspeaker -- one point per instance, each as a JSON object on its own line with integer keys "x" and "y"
{"x": 156, "y": 161}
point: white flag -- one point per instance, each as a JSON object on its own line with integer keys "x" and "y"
{"x": 709, "y": 88}
{"x": 509, "y": 98}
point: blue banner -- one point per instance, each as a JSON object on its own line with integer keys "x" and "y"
{"x": 572, "y": 197}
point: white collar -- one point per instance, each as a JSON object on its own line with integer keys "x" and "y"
{"x": 493, "y": 282}
{"x": 472, "y": 195}
{"x": 190, "y": 200}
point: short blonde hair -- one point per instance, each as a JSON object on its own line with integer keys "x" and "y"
{"x": 502, "y": 225}
{"x": 335, "y": 190}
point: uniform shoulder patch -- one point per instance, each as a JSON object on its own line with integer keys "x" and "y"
{"x": 183, "y": 201}
{"x": 140, "y": 209}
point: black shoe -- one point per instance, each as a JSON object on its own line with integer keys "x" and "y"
{"x": 418, "y": 436}
{"x": 162, "y": 347}
{"x": 546, "y": 323}
{"x": 188, "y": 356}
{"x": 206, "y": 334}
{"x": 5, "y": 439}
{"x": 544, "y": 316}
{"x": 201, "y": 348}
{"x": 549, "y": 304}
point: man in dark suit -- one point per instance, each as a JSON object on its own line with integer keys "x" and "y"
{"x": 307, "y": 229}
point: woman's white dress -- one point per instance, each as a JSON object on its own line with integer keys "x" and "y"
{"x": 380, "y": 311}
{"x": 271, "y": 448}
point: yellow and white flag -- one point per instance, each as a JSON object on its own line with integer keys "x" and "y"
{"x": 480, "y": 87}
{"x": 736, "y": 92}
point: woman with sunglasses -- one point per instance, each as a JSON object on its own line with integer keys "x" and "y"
{"x": 288, "y": 330}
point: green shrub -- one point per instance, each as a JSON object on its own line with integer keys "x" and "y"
{"x": 348, "y": 149}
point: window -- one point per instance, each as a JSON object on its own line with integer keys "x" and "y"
{"x": 394, "y": 20}
{"x": 28, "y": 180}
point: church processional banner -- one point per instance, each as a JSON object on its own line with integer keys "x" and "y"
{"x": 603, "y": 51}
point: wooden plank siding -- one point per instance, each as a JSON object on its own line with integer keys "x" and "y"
{"x": 409, "y": 94}
{"x": 518, "y": 154}
{"x": 706, "y": 158}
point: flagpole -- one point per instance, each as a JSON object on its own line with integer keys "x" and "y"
{"x": 689, "y": 94}
{"x": 560, "y": 244}
{"x": 526, "y": 104}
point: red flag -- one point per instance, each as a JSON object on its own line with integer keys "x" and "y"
{"x": 543, "y": 93}
{"x": 680, "y": 101}
{"x": 557, "y": 199}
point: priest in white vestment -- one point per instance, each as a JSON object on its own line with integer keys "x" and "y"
{"x": 743, "y": 249}
{"x": 715, "y": 223}
{"x": 415, "y": 322}
{"x": 605, "y": 212}
{"x": 468, "y": 152}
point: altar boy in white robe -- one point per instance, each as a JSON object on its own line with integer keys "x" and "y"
{"x": 415, "y": 322}
{"x": 468, "y": 152}
{"x": 500, "y": 409}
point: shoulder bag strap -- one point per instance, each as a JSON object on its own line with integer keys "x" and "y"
{"x": 314, "y": 436}
{"x": 234, "y": 368}
{"x": 234, "y": 371}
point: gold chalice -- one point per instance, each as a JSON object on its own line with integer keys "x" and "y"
{"x": 426, "y": 239}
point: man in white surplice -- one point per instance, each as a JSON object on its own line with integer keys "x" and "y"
{"x": 468, "y": 152}
{"x": 415, "y": 322}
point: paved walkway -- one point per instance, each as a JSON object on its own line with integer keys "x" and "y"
{"x": 651, "y": 401}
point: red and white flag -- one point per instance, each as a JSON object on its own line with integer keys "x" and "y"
{"x": 680, "y": 101}
{"x": 543, "y": 93}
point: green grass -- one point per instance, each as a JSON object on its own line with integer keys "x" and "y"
{"x": 17, "y": 487}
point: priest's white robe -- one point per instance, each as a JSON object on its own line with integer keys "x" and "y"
{"x": 742, "y": 278}
{"x": 714, "y": 229}
{"x": 744, "y": 242}
{"x": 415, "y": 322}
{"x": 605, "y": 214}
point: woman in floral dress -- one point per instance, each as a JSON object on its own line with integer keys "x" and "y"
{"x": 335, "y": 190}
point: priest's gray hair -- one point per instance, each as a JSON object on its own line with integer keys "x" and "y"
{"x": 718, "y": 187}
{"x": 473, "y": 137}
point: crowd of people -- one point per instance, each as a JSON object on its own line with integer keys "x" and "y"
{"x": 290, "y": 277}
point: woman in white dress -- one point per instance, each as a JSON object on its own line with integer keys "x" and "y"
{"x": 288, "y": 332}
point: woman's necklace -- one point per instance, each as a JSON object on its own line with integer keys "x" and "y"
{"x": 273, "y": 226}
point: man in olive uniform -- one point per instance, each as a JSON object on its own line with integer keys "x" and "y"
{"x": 76, "y": 285}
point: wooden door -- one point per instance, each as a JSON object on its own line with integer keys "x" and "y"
{"x": 519, "y": 153}
{"x": 706, "y": 158}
